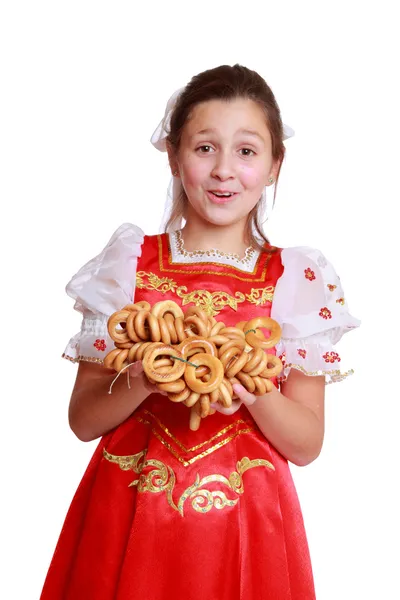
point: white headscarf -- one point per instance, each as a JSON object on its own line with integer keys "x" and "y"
{"x": 159, "y": 141}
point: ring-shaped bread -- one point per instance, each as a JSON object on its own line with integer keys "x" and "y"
{"x": 216, "y": 373}
{"x": 266, "y": 323}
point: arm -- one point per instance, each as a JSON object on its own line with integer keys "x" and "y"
{"x": 309, "y": 304}
{"x": 293, "y": 419}
{"x": 102, "y": 286}
{"x": 92, "y": 410}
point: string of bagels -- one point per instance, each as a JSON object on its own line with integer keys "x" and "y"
{"x": 191, "y": 356}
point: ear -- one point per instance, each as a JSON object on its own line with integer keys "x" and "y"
{"x": 274, "y": 171}
{"x": 172, "y": 159}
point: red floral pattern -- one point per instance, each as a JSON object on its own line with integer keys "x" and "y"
{"x": 100, "y": 345}
{"x": 325, "y": 313}
{"x": 310, "y": 275}
{"x": 282, "y": 377}
{"x": 340, "y": 301}
{"x": 331, "y": 287}
{"x": 303, "y": 353}
{"x": 331, "y": 357}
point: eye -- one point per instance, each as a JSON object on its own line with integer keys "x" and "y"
{"x": 204, "y": 149}
{"x": 247, "y": 151}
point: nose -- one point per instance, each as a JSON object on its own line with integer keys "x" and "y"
{"x": 223, "y": 166}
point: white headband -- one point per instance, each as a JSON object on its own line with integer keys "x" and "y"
{"x": 158, "y": 139}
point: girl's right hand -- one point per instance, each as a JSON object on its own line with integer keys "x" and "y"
{"x": 136, "y": 370}
{"x": 100, "y": 401}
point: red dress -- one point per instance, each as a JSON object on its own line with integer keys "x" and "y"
{"x": 163, "y": 512}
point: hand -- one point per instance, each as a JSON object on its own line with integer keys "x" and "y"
{"x": 244, "y": 398}
{"x": 136, "y": 370}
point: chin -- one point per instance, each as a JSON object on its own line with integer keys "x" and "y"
{"x": 220, "y": 216}
{"x": 222, "y": 220}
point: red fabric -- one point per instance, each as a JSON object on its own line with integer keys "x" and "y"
{"x": 147, "y": 540}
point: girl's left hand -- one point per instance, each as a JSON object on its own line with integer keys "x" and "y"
{"x": 244, "y": 398}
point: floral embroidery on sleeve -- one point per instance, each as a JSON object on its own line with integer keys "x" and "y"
{"x": 100, "y": 345}
{"x": 325, "y": 313}
{"x": 309, "y": 274}
{"x": 331, "y": 287}
{"x": 331, "y": 357}
{"x": 302, "y": 353}
{"x": 281, "y": 378}
{"x": 340, "y": 301}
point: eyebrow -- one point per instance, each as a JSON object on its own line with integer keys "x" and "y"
{"x": 245, "y": 131}
{"x": 251, "y": 132}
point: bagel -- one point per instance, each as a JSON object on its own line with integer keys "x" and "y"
{"x": 254, "y": 339}
{"x": 167, "y": 306}
{"x": 216, "y": 374}
{"x": 173, "y": 373}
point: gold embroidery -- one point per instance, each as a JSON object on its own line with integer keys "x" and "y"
{"x": 127, "y": 463}
{"x": 236, "y": 478}
{"x": 161, "y": 478}
{"x": 211, "y": 303}
{"x": 217, "y": 499}
{"x": 174, "y": 452}
{"x": 341, "y": 376}
{"x": 153, "y": 282}
{"x": 194, "y": 448}
{"x": 259, "y": 296}
{"x": 163, "y": 441}
{"x": 69, "y": 358}
{"x": 335, "y": 374}
{"x": 220, "y": 444}
{"x": 80, "y": 358}
{"x": 230, "y": 273}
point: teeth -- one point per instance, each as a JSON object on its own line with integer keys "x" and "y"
{"x": 225, "y": 195}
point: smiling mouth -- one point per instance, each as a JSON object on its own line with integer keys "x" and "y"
{"x": 222, "y": 194}
{"x": 221, "y": 197}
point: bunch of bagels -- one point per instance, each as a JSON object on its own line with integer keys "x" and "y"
{"x": 193, "y": 357}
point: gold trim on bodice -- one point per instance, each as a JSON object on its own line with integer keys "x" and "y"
{"x": 224, "y": 269}
{"x": 211, "y": 302}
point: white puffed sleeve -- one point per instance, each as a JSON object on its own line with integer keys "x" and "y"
{"x": 312, "y": 310}
{"x": 102, "y": 286}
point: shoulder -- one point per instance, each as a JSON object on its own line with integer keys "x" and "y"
{"x": 128, "y": 234}
{"x": 103, "y": 281}
{"x": 304, "y": 253}
{"x": 310, "y": 305}
{"x": 305, "y": 265}
{"x": 309, "y": 296}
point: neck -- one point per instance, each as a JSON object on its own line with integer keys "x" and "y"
{"x": 202, "y": 235}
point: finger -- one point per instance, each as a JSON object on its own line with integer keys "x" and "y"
{"x": 245, "y": 396}
{"x": 153, "y": 389}
{"x": 136, "y": 368}
{"x": 158, "y": 391}
{"x": 227, "y": 411}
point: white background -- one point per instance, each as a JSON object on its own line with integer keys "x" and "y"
{"x": 84, "y": 84}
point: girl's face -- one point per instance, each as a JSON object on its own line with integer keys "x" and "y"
{"x": 225, "y": 160}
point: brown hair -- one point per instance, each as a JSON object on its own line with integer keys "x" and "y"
{"x": 228, "y": 83}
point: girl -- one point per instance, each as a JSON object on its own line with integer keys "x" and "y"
{"x": 162, "y": 511}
